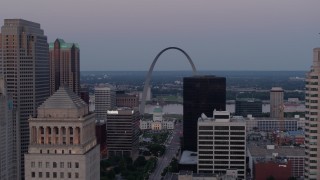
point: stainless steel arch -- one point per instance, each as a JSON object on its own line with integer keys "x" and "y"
{"x": 146, "y": 84}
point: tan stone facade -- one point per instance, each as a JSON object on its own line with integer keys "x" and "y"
{"x": 62, "y": 140}
{"x": 312, "y": 138}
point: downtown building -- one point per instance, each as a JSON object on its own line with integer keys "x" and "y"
{"x": 126, "y": 100}
{"x": 201, "y": 94}
{"x": 62, "y": 140}
{"x": 272, "y": 160}
{"x": 276, "y": 102}
{"x": 246, "y": 106}
{"x": 123, "y": 132}
{"x": 221, "y": 144}
{"x": 24, "y": 62}
{"x": 64, "y": 66}
{"x": 105, "y": 99}
{"x": 312, "y": 137}
{"x": 7, "y": 156}
{"x": 158, "y": 122}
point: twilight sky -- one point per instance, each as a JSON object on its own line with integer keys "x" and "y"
{"x": 217, "y": 34}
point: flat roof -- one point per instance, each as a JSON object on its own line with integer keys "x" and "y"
{"x": 262, "y": 151}
{"x": 189, "y": 157}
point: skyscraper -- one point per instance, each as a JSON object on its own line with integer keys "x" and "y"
{"x": 25, "y": 64}
{"x": 64, "y": 65}
{"x": 62, "y": 140}
{"x": 105, "y": 99}
{"x": 312, "y": 125}
{"x": 7, "y": 164}
{"x": 201, "y": 94}
{"x": 276, "y": 102}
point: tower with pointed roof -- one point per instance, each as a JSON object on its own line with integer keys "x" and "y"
{"x": 64, "y": 65}
{"x": 62, "y": 140}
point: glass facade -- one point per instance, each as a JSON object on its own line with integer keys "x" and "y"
{"x": 201, "y": 94}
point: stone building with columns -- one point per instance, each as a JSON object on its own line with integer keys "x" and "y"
{"x": 62, "y": 140}
{"x": 158, "y": 122}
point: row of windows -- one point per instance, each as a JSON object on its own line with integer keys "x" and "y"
{"x": 221, "y": 127}
{"x": 220, "y": 138}
{"x": 55, "y": 165}
{"x": 55, "y": 175}
{"x": 222, "y": 157}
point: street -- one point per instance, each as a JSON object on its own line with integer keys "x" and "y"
{"x": 173, "y": 145}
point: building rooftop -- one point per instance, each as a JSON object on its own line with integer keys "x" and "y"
{"x": 157, "y": 109}
{"x": 189, "y": 157}
{"x": 63, "y": 98}
{"x": 63, "y": 44}
{"x": 248, "y": 100}
{"x": 277, "y": 89}
{"x": 221, "y": 116}
{"x": 104, "y": 87}
{"x": 121, "y": 111}
{"x": 262, "y": 151}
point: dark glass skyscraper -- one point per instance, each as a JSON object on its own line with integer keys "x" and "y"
{"x": 201, "y": 94}
{"x": 246, "y": 106}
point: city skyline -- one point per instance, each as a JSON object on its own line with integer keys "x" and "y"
{"x": 246, "y": 35}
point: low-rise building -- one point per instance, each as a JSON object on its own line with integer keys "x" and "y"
{"x": 271, "y": 124}
{"x": 277, "y": 168}
{"x": 260, "y": 152}
{"x": 158, "y": 122}
{"x": 126, "y": 100}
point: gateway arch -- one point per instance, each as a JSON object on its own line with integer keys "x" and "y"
{"x": 148, "y": 78}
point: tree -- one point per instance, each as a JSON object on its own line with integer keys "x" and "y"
{"x": 140, "y": 161}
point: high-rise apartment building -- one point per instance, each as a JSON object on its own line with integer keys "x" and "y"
{"x": 62, "y": 140}
{"x": 105, "y": 99}
{"x": 64, "y": 65}
{"x": 221, "y": 144}
{"x": 24, "y": 60}
{"x": 312, "y": 125}
{"x": 201, "y": 94}
{"x": 123, "y": 132}
{"x": 276, "y": 102}
{"x": 7, "y": 156}
{"x": 246, "y": 106}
